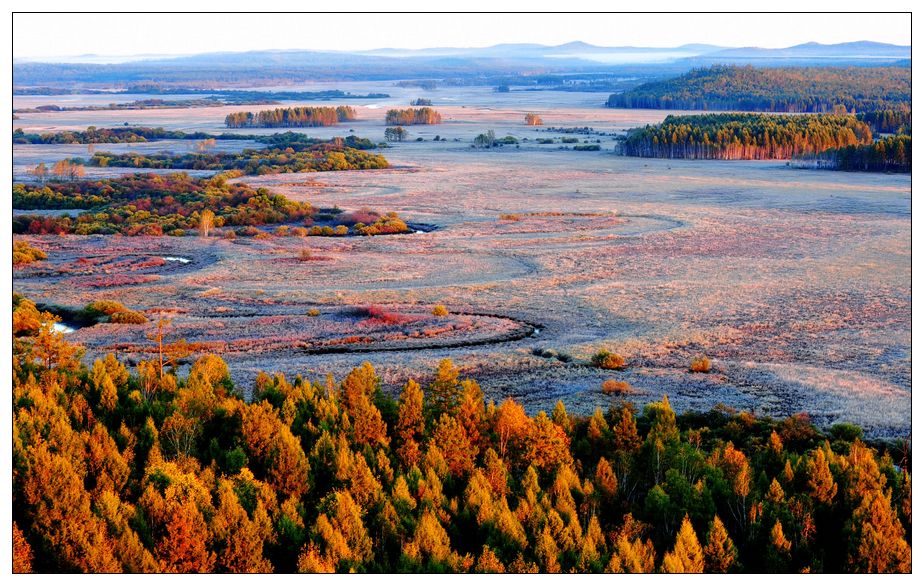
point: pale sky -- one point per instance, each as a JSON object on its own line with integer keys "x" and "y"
{"x": 69, "y": 35}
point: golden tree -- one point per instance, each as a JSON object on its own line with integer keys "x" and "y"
{"x": 206, "y": 222}
{"x": 820, "y": 480}
{"x": 720, "y": 553}
{"x": 687, "y": 555}
{"x": 877, "y": 538}
{"x": 410, "y": 425}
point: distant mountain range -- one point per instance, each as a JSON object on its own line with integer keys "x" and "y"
{"x": 575, "y": 51}
{"x": 445, "y": 62}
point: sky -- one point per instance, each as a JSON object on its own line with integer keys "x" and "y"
{"x": 71, "y": 35}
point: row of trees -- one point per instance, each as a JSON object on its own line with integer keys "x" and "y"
{"x": 775, "y": 89}
{"x": 746, "y": 136}
{"x": 413, "y": 116}
{"x": 293, "y": 117}
{"x": 281, "y": 156}
{"x": 119, "y": 469}
{"x": 126, "y": 134}
{"x": 62, "y": 170}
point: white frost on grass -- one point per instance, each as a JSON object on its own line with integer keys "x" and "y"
{"x": 842, "y": 395}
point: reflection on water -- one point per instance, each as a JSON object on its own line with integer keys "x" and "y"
{"x": 63, "y": 328}
{"x": 179, "y": 259}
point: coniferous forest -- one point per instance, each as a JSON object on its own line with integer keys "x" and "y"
{"x": 775, "y": 89}
{"x": 142, "y": 470}
{"x": 892, "y": 154}
{"x": 746, "y": 136}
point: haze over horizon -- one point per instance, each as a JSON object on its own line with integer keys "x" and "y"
{"x": 142, "y": 34}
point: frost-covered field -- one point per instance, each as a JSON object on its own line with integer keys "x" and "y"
{"x": 796, "y": 283}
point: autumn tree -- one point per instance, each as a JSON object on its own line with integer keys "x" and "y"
{"x": 820, "y": 481}
{"x": 410, "y": 426}
{"x": 445, "y": 391}
{"x": 40, "y": 172}
{"x": 876, "y": 537}
{"x": 720, "y": 554}
{"x": 687, "y": 556}
{"x": 206, "y": 222}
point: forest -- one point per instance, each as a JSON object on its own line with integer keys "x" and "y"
{"x": 890, "y": 154}
{"x": 746, "y": 136}
{"x": 140, "y": 469}
{"x": 294, "y": 117}
{"x": 775, "y": 89}
{"x": 888, "y": 121}
{"x": 289, "y": 153}
{"x": 413, "y": 116}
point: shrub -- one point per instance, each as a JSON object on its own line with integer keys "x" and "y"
{"x": 103, "y": 307}
{"x": 127, "y": 317}
{"x": 23, "y": 253}
{"x": 281, "y": 230}
{"x": 613, "y": 386}
{"x": 700, "y": 364}
{"x": 314, "y": 312}
{"x": 305, "y": 254}
{"x": 299, "y": 232}
{"x": 608, "y": 360}
{"x": 440, "y": 311}
{"x": 511, "y": 217}
{"x": 111, "y": 311}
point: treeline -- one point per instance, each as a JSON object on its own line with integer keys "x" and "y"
{"x": 131, "y": 134}
{"x": 148, "y": 104}
{"x": 294, "y": 117}
{"x": 892, "y": 154}
{"x": 227, "y": 95}
{"x": 775, "y": 89}
{"x": 125, "y": 134}
{"x": 745, "y": 136}
{"x": 413, "y": 116}
{"x": 141, "y": 470}
{"x": 325, "y": 156}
